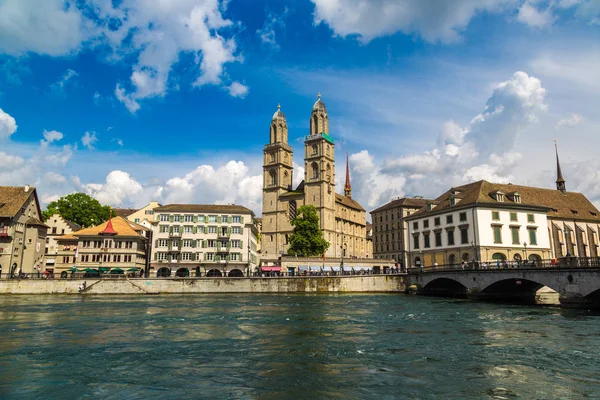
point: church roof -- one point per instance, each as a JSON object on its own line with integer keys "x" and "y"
{"x": 409, "y": 202}
{"x": 568, "y": 205}
{"x": 348, "y": 202}
{"x": 319, "y": 105}
{"x": 278, "y": 114}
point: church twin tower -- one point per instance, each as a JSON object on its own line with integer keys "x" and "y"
{"x": 342, "y": 220}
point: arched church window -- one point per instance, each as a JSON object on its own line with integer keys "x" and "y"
{"x": 292, "y": 210}
{"x": 315, "y": 149}
{"x": 315, "y": 170}
{"x": 272, "y": 178}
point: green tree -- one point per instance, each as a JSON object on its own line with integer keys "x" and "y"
{"x": 79, "y": 208}
{"x": 307, "y": 239}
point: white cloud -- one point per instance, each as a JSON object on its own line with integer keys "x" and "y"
{"x": 484, "y": 149}
{"x": 51, "y": 136}
{"x": 118, "y": 188}
{"x": 535, "y": 17}
{"x": 571, "y": 121}
{"x": 8, "y": 125}
{"x": 236, "y": 89}
{"x": 97, "y": 98}
{"x": 88, "y": 140}
{"x": 432, "y": 20}
{"x": 49, "y": 27}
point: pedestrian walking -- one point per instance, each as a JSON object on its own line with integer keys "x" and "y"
{"x": 38, "y": 271}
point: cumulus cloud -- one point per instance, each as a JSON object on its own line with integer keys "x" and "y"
{"x": 50, "y": 136}
{"x": 152, "y": 34}
{"x": 8, "y": 125}
{"x": 88, "y": 140}
{"x": 119, "y": 187}
{"x": 432, "y": 20}
{"x": 486, "y": 148}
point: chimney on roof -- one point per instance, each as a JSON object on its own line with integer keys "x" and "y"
{"x": 347, "y": 186}
{"x": 26, "y": 188}
{"x": 560, "y": 181}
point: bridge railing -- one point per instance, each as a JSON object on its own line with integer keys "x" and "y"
{"x": 565, "y": 262}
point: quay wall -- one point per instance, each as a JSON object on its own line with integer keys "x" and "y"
{"x": 313, "y": 284}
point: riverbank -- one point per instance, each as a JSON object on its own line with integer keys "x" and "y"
{"x": 142, "y": 286}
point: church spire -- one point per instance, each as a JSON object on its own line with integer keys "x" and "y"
{"x": 560, "y": 181}
{"x": 347, "y": 186}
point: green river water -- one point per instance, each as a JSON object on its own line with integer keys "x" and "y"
{"x": 293, "y": 347}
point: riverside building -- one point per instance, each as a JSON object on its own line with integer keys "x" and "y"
{"x": 390, "y": 229}
{"x": 204, "y": 240}
{"x": 22, "y": 233}
{"x": 57, "y": 226}
{"x": 492, "y": 222}
{"x": 341, "y": 218}
{"x": 116, "y": 246}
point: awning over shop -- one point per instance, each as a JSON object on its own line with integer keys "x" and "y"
{"x": 327, "y": 269}
{"x": 302, "y": 268}
{"x": 315, "y": 268}
{"x": 275, "y": 268}
{"x": 335, "y": 268}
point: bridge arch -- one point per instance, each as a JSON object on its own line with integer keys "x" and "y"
{"x": 444, "y": 287}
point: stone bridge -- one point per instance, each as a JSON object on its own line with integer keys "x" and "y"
{"x": 577, "y": 287}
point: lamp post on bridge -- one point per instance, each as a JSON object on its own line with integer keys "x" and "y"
{"x": 525, "y": 247}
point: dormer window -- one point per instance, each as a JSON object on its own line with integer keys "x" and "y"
{"x": 498, "y": 196}
{"x": 452, "y": 200}
{"x": 517, "y": 198}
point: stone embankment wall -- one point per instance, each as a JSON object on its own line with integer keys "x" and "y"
{"x": 321, "y": 284}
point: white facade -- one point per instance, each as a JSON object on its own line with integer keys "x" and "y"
{"x": 480, "y": 234}
{"x": 194, "y": 243}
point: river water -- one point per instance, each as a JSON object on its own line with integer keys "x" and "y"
{"x": 293, "y": 347}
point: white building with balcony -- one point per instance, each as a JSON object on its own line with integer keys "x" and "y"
{"x": 203, "y": 240}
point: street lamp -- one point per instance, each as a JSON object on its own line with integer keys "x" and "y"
{"x": 525, "y": 246}
{"x": 473, "y": 258}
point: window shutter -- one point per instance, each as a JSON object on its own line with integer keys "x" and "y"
{"x": 204, "y": 244}
{"x": 205, "y": 218}
{"x": 170, "y": 218}
{"x": 228, "y": 231}
{"x": 218, "y": 258}
{"x": 195, "y": 229}
{"x": 206, "y": 229}
{"x": 241, "y": 244}
{"x": 242, "y": 219}
{"x": 155, "y": 256}
{"x": 195, "y": 218}
{"x": 228, "y": 244}
{"x": 230, "y": 219}
{"x": 156, "y": 243}
{"x": 170, "y": 230}
{"x": 219, "y": 219}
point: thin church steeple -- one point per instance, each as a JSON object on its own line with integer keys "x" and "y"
{"x": 347, "y": 186}
{"x": 560, "y": 181}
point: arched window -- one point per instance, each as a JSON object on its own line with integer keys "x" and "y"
{"x": 315, "y": 149}
{"x": 315, "y": 170}
{"x": 465, "y": 257}
{"x": 272, "y": 178}
{"x": 452, "y": 259}
{"x": 498, "y": 256}
{"x": 272, "y": 157}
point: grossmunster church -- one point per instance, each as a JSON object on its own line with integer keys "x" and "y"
{"x": 342, "y": 219}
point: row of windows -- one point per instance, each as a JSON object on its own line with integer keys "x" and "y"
{"x": 100, "y": 258}
{"x": 462, "y": 217}
{"x": 199, "y": 243}
{"x": 232, "y": 219}
{"x": 223, "y": 230}
{"x": 391, "y": 215}
{"x": 464, "y": 238}
{"x": 198, "y": 257}
{"x": 514, "y": 233}
{"x": 117, "y": 244}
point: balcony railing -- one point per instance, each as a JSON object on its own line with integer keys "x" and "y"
{"x": 561, "y": 263}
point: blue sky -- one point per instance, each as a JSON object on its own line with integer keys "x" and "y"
{"x": 132, "y": 101}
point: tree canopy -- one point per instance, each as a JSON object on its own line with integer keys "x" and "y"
{"x": 307, "y": 239}
{"x": 79, "y": 208}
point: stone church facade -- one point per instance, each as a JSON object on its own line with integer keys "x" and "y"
{"x": 342, "y": 219}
